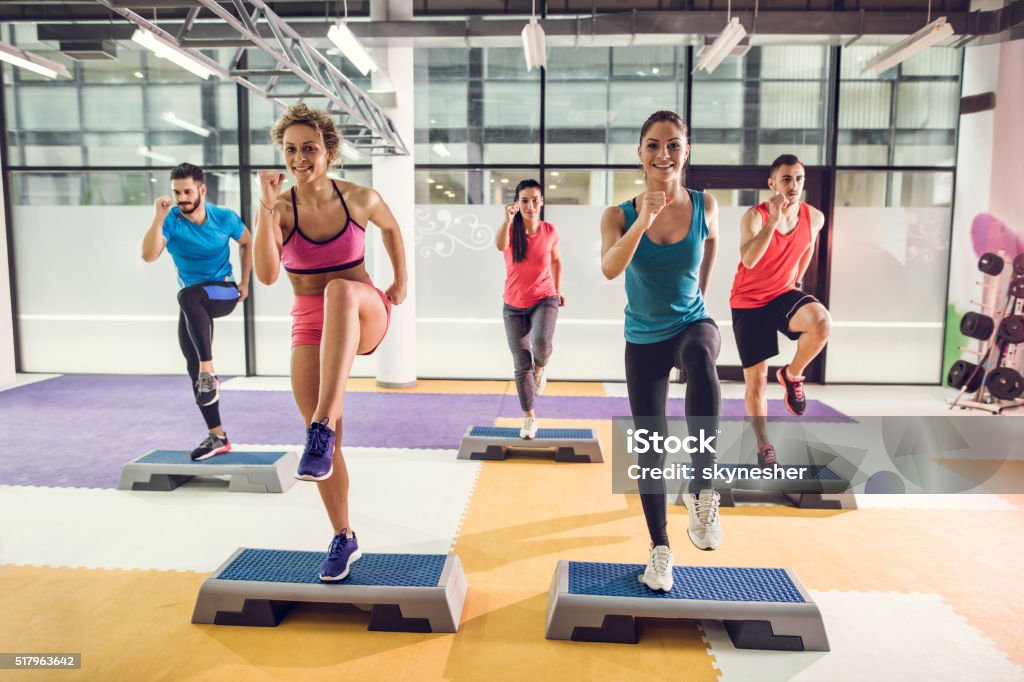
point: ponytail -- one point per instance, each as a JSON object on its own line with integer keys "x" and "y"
{"x": 519, "y": 243}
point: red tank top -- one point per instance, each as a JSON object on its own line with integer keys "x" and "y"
{"x": 776, "y": 272}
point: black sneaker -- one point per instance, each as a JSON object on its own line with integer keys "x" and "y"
{"x": 207, "y": 389}
{"x": 213, "y": 445}
{"x": 795, "y": 400}
{"x": 766, "y": 457}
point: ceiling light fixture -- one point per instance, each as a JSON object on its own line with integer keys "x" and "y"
{"x": 31, "y": 61}
{"x": 710, "y": 57}
{"x": 172, "y": 53}
{"x": 185, "y": 125}
{"x": 533, "y": 42}
{"x": 347, "y": 43}
{"x": 931, "y": 34}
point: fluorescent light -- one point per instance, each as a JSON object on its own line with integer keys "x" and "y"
{"x": 156, "y": 156}
{"x": 191, "y": 127}
{"x": 350, "y": 152}
{"x": 926, "y": 37}
{"x": 171, "y": 53}
{"x": 33, "y": 62}
{"x": 729, "y": 38}
{"x": 439, "y": 149}
{"x": 345, "y": 40}
{"x": 533, "y": 45}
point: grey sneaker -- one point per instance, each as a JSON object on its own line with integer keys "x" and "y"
{"x": 207, "y": 389}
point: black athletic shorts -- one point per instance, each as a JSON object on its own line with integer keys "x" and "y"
{"x": 755, "y": 328}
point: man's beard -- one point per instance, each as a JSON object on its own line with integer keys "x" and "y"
{"x": 192, "y": 210}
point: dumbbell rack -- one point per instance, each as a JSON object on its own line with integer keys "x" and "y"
{"x": 994, "y": 353}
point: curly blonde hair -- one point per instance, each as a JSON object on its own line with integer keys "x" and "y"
{"x": 316, "y": 119}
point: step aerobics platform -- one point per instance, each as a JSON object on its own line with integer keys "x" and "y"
{"x": 494, "y": 442}
{"x": 817, "y": 486}
{"x": 403, "y": 592}
{"x": 762, "y": 608}
{"x": 250, "y": 472}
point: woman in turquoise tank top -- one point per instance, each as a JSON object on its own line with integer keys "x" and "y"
{"x": 665, "y": 240}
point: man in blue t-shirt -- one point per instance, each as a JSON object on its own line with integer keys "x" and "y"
{"x": 197, "y": 235}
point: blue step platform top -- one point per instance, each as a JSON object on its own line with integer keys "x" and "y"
{"x": 228, "y": 458}
{"x": 387, "y": 570}
{"x": 690, "y": 582}
{"x": 506, "y": 432}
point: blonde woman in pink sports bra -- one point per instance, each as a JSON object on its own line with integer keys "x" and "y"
{"x": 317, "y": 232}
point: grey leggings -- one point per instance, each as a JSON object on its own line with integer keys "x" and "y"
{"x": 529, "y": 332}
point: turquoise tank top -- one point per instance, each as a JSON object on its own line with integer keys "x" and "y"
{"x": 662, "y": 292}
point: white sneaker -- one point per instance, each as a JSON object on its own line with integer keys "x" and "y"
{"x": 529, "y": 429}
{"x": 540, "y": 381}
{"x": 705, "y": 531}
{"x": 658, "y": 574}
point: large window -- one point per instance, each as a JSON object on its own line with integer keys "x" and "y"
{"x": 482, "y": 123}
{"x": 475, "y": 106}
{"x": 907, "y": 116}
{"x": 768, "y": 102}
{"x": 137, "y": 110}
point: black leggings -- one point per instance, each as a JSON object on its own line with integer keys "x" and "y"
{"x": 648, "y": 366}
{"x": 200, "y": 304}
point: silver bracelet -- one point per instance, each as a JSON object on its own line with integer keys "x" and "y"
{"x": 269, "y": 208}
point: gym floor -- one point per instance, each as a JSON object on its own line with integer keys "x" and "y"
{"x": 924, "y": 587}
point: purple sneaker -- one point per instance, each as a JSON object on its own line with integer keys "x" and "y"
{"x": 317, "y": 459}
{"x": 343, "y": 552}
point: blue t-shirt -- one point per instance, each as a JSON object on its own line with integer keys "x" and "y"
{"x": 201, "y": 253}
{"x": 662, "y": 292}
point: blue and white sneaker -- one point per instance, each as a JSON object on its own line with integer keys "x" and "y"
{"x": 317, "y": 462}
{"x": 343, "y": 552}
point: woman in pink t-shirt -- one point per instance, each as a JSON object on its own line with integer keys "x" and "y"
{"x": 533, "y": 275}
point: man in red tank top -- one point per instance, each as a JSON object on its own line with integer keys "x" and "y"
{"x": 777, "y": 241}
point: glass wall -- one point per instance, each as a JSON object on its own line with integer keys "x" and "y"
{"x": 482, "y": 123}
{"x": 890, "y": 256}
{"x": 906, "y": 116}
{"x": 768, "y": 102}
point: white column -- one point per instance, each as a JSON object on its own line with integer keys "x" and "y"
{"x": 394, "y": 178}
{"x": 7, "y": 378}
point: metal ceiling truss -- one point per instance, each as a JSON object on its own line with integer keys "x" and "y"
{"x": 300, "y": 71}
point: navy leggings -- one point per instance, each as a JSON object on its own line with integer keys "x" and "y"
{"x": 648, "y": 366}
{"x": 200, "y": 304}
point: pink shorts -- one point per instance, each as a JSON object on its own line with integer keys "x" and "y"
{"x": 308, "y": 320}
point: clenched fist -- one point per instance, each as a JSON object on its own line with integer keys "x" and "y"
{"x": 653, "y": 204}
{"x": 270, "y": 185}
{"x": 163, "y": 206}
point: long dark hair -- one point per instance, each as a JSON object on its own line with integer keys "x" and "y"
{"x": 518, "y": 227}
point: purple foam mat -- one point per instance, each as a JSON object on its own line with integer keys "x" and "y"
{"x": 79, "y": 431}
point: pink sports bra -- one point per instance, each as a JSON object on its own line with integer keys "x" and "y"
{"x": 304, "y": 256}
